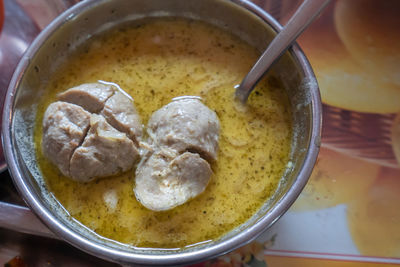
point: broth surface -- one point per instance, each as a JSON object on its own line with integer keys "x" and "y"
{"x": 154, "y": 61}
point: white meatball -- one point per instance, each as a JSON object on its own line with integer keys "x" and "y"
{"x": 183, "y": 135}
{"x": 120, "y": 112}
{"x": 64, "y": 127}
{"x": 104, "y": 152}
{"x": 163, "y": 183}
{"x": 90, "y": 96}
{"x": 85, "y": 145}
{"x": 186, "y": 124}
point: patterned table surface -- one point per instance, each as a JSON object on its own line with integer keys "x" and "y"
{"x": 348, "y": 213}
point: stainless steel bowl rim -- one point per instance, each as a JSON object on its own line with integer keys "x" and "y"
{"x": 180, "y": 258}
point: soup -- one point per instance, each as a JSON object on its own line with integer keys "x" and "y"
{"x": 155, "y": 60}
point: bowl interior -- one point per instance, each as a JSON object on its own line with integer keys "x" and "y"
{"x": 72, "y": 29}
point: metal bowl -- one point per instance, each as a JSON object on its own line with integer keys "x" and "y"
{"x": 87, "y": 18}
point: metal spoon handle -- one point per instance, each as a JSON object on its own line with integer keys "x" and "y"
{"x": 304, "y": 15}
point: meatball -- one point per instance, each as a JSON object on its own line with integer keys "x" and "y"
{"x": 104, "y": 152}
{"x": 186, "y": 124}
{"x": 90, "y": 96}
{"x": 64, "y": 127}
{"x": 116, "y": 107}
{"x": 93, "y": 132}
{"x": 183, "y": 137}
{"x": 163, "y": 183}
{"x": 120, "y": 112}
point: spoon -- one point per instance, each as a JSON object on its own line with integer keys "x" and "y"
{"x": 304, "y": 15}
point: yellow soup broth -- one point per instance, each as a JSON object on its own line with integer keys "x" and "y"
{"x": 154, "y": 61}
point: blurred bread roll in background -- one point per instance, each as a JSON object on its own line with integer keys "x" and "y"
{"x": 360, "y": 100}
{"x": 373, "y": 218}
{"x": 344, "y": 80}
{"x": 336, "y": 179}
{"x": 370, "y": 31}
